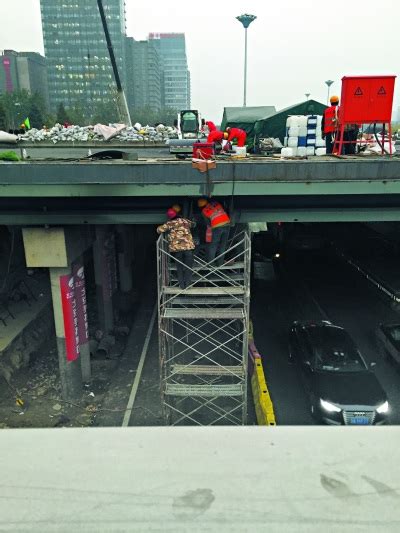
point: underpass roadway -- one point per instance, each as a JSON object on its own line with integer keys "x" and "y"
{"x": 318, "y": 286}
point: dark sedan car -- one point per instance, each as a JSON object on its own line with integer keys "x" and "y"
{"x": 341, "y": 387}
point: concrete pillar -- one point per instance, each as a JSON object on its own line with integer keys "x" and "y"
{"x": 125, "y": 257}
{"x": 58, "y": 249}
{"x": 105, "y": 276}
{"x": 70, "y": 369}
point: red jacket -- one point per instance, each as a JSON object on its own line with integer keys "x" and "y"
{"x": 240, "y": 135}
{"x": 215, "y": 214}
{"x": 330, "y": 119}
{"x": 211, "y": 126}
{"x": 215, "y": 136}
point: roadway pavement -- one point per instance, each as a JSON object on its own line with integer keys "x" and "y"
{"x": 314, "y": 287}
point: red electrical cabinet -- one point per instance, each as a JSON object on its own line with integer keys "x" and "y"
{"x": 366, "y": 99}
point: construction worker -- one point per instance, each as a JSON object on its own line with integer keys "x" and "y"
{"x": 329, "y": 123}
{"x": 215, "y": 136}
{"x": 181, "y": 244}
{"x": 217, "y": 231}
{"x": 238, "y": 134}
{"x": 211, "y": 126}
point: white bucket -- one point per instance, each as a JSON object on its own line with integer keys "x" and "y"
{"x": 240, "y": 150}
{"x": 293, "y": 142}
{"x": 319, "y": 143}
{"x": 288, "y": 152}
{"x": 302, "y": 151}
{"x": 303, "y": 131}
{"x": 320, "y": 151}
{"x": 303, "y": 121}
{"x": 311, "y": 131}
{"x": 310, "y": 150}
{"x": 294, "y": 131}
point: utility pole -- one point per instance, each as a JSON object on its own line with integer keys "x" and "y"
{"x": 122, "y": 105}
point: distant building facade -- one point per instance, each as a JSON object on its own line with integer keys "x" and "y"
{"x": 79, "y": 66}
{"x": 175, "y": 72}
{"x": 23, "y": 70}
{"x": 143, "y": 75}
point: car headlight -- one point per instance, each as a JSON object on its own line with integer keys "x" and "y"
{"x": 330, "y": 407}
{"x": 384, "y": 408}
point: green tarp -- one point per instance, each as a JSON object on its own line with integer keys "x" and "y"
{"x": 275, "y": 125}
{"x": 245, "y": 117}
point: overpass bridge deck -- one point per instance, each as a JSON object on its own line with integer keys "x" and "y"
{"x": 121, "y": 191}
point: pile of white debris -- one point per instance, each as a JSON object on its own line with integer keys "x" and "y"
{"x": 100, "y": 132}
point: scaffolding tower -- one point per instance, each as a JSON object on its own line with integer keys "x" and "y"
{"x": 203, "y": 336}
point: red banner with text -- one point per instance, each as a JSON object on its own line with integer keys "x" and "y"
{"x": 70, "y": 313}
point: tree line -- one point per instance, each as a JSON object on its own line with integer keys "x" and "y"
{"x": 16, "y": 106}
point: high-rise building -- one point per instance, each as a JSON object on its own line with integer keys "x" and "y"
{"x": 176, "y": 77}
{"x": 143, "y": 74}
{"x": 23, "y": 70}
{"x": 79, "y": 66}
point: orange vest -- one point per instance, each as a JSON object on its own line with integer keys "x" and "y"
{"x": 330, "y": 117}
{"x": 216, "y": 214}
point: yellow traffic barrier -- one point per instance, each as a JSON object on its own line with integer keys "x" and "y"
{"x": 262, "y": 400}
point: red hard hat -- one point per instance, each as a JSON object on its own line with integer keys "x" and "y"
{"x": 171, "y": 213}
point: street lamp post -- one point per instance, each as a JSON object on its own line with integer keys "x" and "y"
{"x": 15, "y": 113}
{"x": 328, "y": 83}
{"x": 246, "y": 20}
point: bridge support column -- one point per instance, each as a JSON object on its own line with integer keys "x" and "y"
{"x": 105, "y": 271}
{"x": 125, "y": 257}
{"x": 60, "y": 250}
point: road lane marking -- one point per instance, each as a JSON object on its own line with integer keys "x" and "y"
{"x": 135, "y": 386}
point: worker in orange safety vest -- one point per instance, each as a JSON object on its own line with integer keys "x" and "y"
{"x": 217, "y": 232}
{"x": 329, "y": 123}
{"x": 238, "y": 134}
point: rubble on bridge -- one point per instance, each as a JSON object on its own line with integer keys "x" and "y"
{"x": 136, "y": 133}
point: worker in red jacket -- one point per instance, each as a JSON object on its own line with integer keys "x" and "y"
{"x": 329, "y": 123}
{"x": 238, "y": 134}
{"x": 215, "y": 136}
{"x": 211, "y": 126}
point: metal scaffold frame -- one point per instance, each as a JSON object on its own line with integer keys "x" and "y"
{"x": 203, "y": 336}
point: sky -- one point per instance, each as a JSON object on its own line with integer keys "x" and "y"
{"x": 293, "y": 46}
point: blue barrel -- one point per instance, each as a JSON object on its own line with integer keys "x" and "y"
{"x": 302, "y": 141}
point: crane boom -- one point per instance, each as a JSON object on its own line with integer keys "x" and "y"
{"x": 121, "y": 99}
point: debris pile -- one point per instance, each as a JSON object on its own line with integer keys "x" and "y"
{"x": 136, "y": 133}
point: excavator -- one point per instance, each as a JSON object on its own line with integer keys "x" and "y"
{"x": 189, "y": 125}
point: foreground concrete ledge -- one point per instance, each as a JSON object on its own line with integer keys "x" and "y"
{"x": 201, "y": 479}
